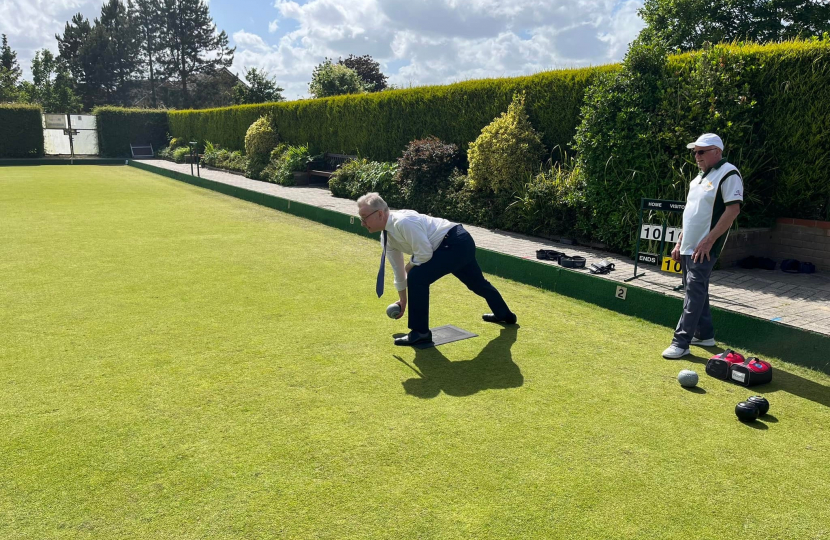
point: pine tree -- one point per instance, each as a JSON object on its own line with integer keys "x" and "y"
{"x": 122, "y": 54}
{"x": 191, "y": 44}
{"x": 9, "y": 73}
{"x": 108, "y": 55}
{"x": 70, "y": 45}
{"x": 149, "y": 22}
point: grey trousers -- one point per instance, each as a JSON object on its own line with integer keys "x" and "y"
{"x": 696, "y": 320}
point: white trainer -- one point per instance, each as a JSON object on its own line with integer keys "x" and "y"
{"x": 674, "y": 352}
{"x": 703, "y": 342}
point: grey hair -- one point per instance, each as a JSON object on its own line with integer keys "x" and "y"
{"x": 373, "y": 200}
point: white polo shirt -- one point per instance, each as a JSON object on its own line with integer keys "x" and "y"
{"x": 709, "y": 195}
{"x": 414, "y": 234}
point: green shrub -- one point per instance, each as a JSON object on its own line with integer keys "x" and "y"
{"x": 180, "y": 154}
{"x": 508, "y": 150}
{"x": 360, "y": 176}
{"x": 234, "y": 161}
{"x": 284, "y": 162}
{"x": 260, "y": 139}
{"x": 118, "y": 127}
{"x": 165, "y": 153}
{"x": 424, "y": 168}
{"x": 178, "y": 142}
{"x": 549, "y": 204}
{"x": 21, "y": 131}
{"x": 209, "y": 154}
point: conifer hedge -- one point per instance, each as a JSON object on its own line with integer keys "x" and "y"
{"x": 118, "y": 127}
{"x": 380, "y": 125}
{"x": 21, "y": 131}
{"x": 770, "y": 104}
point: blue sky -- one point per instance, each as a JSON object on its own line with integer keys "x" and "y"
{"x": 417, "y": 42}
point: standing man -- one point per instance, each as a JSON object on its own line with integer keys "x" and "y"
{"x": 438, "y": 247}
{"x": 713, "y": 203}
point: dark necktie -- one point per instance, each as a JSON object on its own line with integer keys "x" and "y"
{"x": 379, "y": 286}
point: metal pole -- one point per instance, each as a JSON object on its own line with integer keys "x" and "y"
{"x": 71, "y": 144}
{"x": 637, "y": 246}
{"x": 662, "y": 243}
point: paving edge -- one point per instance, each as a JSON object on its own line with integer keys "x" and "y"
{"x": 795, "y": 345}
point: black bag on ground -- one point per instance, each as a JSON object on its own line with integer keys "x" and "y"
{"x": 751, "y": 371}
{"x": 791, "y": 266}
{"x": 548, "y": 254}
{"x": 572, "y": 262}
{"x": 807, "y": 268}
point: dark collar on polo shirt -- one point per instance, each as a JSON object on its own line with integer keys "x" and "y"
{"x": 715, "y": 166}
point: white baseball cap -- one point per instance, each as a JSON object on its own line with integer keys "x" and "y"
{"x": 707, "y": 139}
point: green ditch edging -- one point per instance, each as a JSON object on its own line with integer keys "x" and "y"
{"x": 798, "y": 346}
{"x": 61, "y": 161}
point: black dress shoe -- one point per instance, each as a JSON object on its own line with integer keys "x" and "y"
{"x": 510, "y": 319}
{"x": 414, "y": 337}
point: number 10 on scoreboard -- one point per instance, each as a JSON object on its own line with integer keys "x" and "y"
{"x": 655, "y": 232}
{"x": 669, "y": 265}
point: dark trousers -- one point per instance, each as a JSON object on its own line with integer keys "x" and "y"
{"x": 457, "y": 256}
{"x": 696, "y": 320}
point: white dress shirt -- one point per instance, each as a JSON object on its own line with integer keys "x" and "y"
{"x": 414, "y": 234}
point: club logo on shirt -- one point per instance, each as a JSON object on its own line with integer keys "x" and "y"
{"x": 708, "y": 186}
{"x": 738, "y": 193}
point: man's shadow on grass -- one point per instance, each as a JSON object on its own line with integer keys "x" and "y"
{"x": 492, "y": 368}
{"x": 781, "y": 381}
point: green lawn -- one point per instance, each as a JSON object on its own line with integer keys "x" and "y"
{"x": 175, "y": 363}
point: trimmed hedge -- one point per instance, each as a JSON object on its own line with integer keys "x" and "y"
{"x": 21, "y": 131}
{"x": 118, "y": 127}
{"x": 770, "y": 104}
{"x": 378, "y": 126}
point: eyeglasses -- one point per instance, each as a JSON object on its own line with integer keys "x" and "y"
{"x": 363, "y": 219}
{"x": 700, "y": 152}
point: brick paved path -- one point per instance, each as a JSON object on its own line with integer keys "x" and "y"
{"x": 798, "y": 300}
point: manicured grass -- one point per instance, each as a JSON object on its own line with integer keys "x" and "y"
{"x": 175, "y": 363}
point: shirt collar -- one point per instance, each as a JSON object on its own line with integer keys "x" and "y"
{"x": 390, "y": 221}
{"x": 715, "y": 166}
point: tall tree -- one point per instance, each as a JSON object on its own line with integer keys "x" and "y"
{"x": 70, "y": 44}
{"x": 52, "y": 85}
{"x": 261, "y": 88}
{"x": 149, "y": 23}
{"x": 369, "y": 71}
{"x": 688, "y": 24}
{"x": 191, "y": 45}
{"x": 122, "y": 51}
{"x": 9, "y": 73}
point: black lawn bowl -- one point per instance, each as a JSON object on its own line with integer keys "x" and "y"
{"x": 746, "y": 412}
{"x": 761, "y": 402}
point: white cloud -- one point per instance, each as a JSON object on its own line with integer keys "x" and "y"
{"x": 252, "y": 42}
{"x": 416, "y": 41}
{"x": 31, "y": 25}
{"x": 443, "y": 41}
